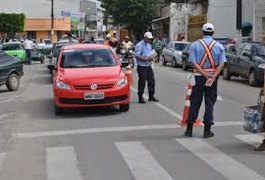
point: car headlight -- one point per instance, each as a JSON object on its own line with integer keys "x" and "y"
{"x": 62, "y": 85}
{"x": 122, "y": 82}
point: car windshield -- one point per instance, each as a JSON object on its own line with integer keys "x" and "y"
{"x": 180, "y": 46}
{"x": 47, "y": 41}
{"x": 260, "y": 49}
{"x": 57, "y": 50}
{"x": 9, "y": 47}
{"x": 87, "y": 58}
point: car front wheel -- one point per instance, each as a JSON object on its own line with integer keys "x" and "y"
{"x": 253, "y": 81}
{"x": 164, "y": 61}
{"x": 124, "y": 107}
{"x": 226, "y": 73}
{"x": 184, "y": 65}
{"x": 12, "y": 83}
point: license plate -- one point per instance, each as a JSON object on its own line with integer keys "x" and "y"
{"x": 94, "y": 96}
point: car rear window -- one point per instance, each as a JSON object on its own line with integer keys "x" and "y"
{"x": 87, "y": 58}
{"x": 9, "y": 47}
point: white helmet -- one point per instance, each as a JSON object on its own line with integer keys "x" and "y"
{"x": 108, "y": 36}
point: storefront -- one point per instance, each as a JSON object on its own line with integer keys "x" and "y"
{"x": 41, "y": 28}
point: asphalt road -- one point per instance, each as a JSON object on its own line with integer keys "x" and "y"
{"x": 145, "y": 143}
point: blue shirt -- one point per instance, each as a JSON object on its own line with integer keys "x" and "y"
{"x": 143, "y": 49}
{"x": 197, "y": 51}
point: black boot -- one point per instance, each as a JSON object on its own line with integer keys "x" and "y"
{"x": 152, "y": 98}
{"x": 141, "y": 100}
{"x": 188, "y": 132}
{"x": 207, "y": 132}
{"x": 261, "y": 147}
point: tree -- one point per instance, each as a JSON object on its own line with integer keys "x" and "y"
{"x": 11, "y": 23}
{"x": 136, "y": 14}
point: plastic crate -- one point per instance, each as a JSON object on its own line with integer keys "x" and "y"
{"x": 252, "y": 120}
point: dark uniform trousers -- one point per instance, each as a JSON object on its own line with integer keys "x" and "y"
{"x": 210, "y": 96}
{"x": 146, "y": 74}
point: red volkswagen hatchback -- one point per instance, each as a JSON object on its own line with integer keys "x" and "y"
{"x": 89, "y": 76}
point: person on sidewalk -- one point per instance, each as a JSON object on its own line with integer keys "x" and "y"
{"x": 208, "y": 59}
{"x": 144, "y": 68}
{"x": 158, "y": 46}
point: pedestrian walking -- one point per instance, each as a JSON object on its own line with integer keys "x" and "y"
{"x": 164, "y": 40}
{"x": 144, "y": 68}
{"x": 208, "y": 59}
{"x": 29, "y": 46}
{"x": 158, "y": 46}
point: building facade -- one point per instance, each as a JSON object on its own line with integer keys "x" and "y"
{"x": 38, "y": 14}
{"x": 259, "y": 20}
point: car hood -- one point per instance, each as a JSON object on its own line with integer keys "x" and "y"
{"x": 90, "y": 75}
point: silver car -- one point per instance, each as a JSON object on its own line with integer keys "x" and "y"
{"x": 173, "y": 52}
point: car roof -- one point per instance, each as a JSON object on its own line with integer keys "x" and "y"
{"x": 85, "y": 46}
{"x": 181, "y": 42}
{"x": 12, "y": 43}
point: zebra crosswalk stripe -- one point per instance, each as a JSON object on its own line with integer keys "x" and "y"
{"x": 252, "y": 139}
{"x": 219, "y": 161}
{"x": 141, "y": 162}
{"x": 61, "y": 164}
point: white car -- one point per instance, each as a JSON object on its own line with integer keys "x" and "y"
{"x": 173, "y": 52}
{"x": 46, "y": 44}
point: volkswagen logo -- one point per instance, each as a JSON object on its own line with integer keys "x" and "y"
{"x": 93, "y": 86}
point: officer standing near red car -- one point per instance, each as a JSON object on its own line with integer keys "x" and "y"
{"x": 208, "y": 59}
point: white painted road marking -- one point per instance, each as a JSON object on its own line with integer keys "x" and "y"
{"x": 141, "y": 162}
{"x": 251, "y": 139}
{"x": 228, "y": 167}
{"x": 8, "y": 99}
{"x": 169, "y": 111}
{"x": 95, "y": 130}
{"x": 61, "y": 164}
{"x": 110, "y": 129}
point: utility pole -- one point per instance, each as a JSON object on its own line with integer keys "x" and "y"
{"x": 52, "y": 19}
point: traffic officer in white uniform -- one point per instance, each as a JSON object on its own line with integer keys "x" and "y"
{"x": 208, "y": 59}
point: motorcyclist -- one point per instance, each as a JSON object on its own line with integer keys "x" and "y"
{"x": 107, "y": 41}
{"x": 127, "y": 44}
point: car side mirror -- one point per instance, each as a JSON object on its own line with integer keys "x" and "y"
{"x": 124, "y": 64}
{"x": 52, "y": 67}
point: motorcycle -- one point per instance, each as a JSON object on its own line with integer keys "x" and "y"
{"x": 127, "y": 55}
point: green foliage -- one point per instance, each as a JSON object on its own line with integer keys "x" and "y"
{"x": 11, "y": 23}
{"x": 136, "y": 14}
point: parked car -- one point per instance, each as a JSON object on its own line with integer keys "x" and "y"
{"x": 11, "y": 70}
{"x": 36, "y": 55}
{"x": 185, "y": 59}
{"x": 15, "y": 49}
{"x": 173, "y": 52}
{"x": 54, "y": 55}
{"x": 99, "y": 41}
{"x": 245, "y": 62}
{"x": 89, "y": 75}
{"x": 45, "y": 46}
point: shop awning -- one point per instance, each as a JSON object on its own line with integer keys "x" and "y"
{"x": 160, "y": 19}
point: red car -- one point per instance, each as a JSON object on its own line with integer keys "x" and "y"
{"x": 89, "y": 75}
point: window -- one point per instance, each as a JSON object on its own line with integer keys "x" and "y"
{"x": 180, "y": 46}
{"x": 247, "y": 49}
{"x": 259, "y": 50}
{"x": 87, "y": 58}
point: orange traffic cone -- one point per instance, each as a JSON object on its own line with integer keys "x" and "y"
{"x": 186, "y": 109}
{"x": 128, "y": 73}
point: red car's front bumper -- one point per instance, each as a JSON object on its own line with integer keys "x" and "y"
{"x": 75, "y": 98}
